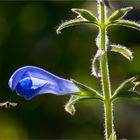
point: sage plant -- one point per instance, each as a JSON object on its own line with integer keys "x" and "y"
{"x": 30, "y": 81}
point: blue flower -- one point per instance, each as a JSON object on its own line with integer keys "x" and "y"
{"x": 30, "y": 81}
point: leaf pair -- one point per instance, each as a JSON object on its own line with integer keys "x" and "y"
{"x": 95, "y": 69}
{"x": 86, "y": 93}
{"x": 125, "y": 90}
{"x": 85, "y": 16}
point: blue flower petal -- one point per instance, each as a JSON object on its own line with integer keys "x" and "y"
{"x": 30, "y": 81}
{"x": 24, "y": 86}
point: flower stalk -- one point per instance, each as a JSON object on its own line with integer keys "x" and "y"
{"x": 105, "y": 81}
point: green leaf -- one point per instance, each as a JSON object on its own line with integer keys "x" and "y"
{"x": 69, "y": 23}
{"x": 113, "y": 136}
{"x": 127, "y": 23}
{"x": 128, "y": 94}
{"x": 85, "y": 14}
{"x": 127, "y": 88}
{"x": 122, "y": 50}
{"x": 87, "y": 91}
{"x": 130, "y": 83}
{"x": 96, "y": 64}
{"x": 118, "y": 14}
{"x": 69, "y": 107}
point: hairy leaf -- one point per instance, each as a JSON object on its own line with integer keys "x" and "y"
{"x": 86, "y": 93}
{"x": 69, "y": 107}
{"x": 69, "y": 23}
{"x": 127, "y": 94}
{"x": 122, "y": 50}
{"x": 98, "y": 40}
{"x": 119, "y": 14}
{"x": 127, "y": 88}
{"x": 130, "y": 83}
{"x": 85, "y": 14}
{"x": 96, "y": 64}
{"x": 127, "y": 23}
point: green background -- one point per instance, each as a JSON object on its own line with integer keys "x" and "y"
{"x": 27, "y": 37}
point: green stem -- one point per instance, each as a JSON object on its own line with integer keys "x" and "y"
{"x": 106, "y": 88}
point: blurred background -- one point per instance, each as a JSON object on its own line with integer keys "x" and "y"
{"x": 27, "y": 37}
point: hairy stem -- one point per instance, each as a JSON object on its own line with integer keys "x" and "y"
{"x": 106, "y": 88}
